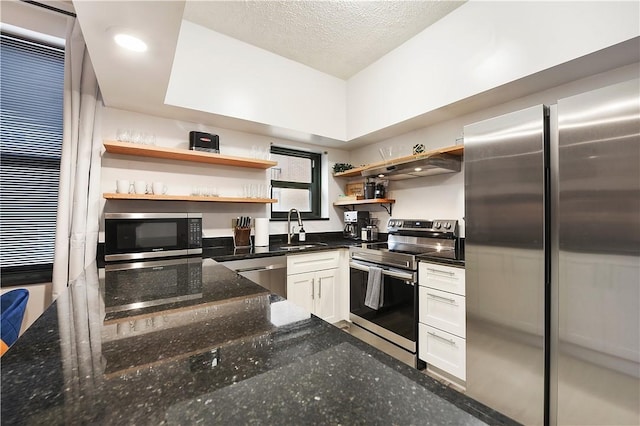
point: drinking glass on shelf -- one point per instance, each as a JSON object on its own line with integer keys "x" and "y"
{"x": 148, "y": 139}
{"x": 123, "y": 135}
{"x": 386, "y": 153}
{"x": 134, "y": 136}
{"x": 123, "y": 186}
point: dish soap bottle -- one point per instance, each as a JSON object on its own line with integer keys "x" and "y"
{"x": 302, "y": 236}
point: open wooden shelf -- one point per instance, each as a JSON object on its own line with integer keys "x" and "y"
{"x": 381, "y": 201}
{"x": 114, "y": 196}
{"x": 129, "y": 148}
{"x": 453, "y": 150}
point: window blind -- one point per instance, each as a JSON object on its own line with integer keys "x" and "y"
{"x": 31, "y": 114}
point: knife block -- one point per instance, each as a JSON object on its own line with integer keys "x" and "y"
{"x": 241, "y": 237}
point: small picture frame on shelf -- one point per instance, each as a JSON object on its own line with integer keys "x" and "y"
{"x": 356, "y": 189}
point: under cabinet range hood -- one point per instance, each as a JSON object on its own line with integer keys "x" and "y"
{"x": 433, "y": 164}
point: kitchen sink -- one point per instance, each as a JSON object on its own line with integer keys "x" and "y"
{"x": 302, "y": 246}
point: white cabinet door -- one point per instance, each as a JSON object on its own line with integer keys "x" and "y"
{"x": 315, "y": 292}
{"x": 307, "y": 262}
{"x": 445, "y": 278}
{"x": 313, "y": 280}
{"x": 300, "y": 290}
{"x": 446, "y": 311}
{"x": 325, "y": 288}
{"x": 442, "y": 350}
{"x": 442, "y": 326}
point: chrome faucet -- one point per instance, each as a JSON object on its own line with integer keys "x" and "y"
{"x": 289, "y": 233}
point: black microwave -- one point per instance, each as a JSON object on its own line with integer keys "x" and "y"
{"x": 131, "y": 236}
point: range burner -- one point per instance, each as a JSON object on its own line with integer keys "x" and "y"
{"x": 411, "y": 249}
{"x": 410, "y": 238}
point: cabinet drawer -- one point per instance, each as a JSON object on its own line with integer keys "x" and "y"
{"x": 445, "y": 278}
{"x": 442, "y": 350}
{"x": 300, "y": 263}
{"x": 446, "y": 311}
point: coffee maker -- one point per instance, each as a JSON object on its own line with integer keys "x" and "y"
{"x": 354, "y": 222}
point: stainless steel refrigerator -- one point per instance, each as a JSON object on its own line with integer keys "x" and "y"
{"x": 552, "y": 212}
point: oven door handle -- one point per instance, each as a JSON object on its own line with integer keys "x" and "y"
{"x": 407, "y": 276}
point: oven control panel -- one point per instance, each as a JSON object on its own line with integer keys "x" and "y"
{"x": 447, "y": 226}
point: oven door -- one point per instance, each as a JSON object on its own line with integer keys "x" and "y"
{"x": 395, "y": 320}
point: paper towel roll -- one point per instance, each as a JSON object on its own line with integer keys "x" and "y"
{"x": 262, "y": 232}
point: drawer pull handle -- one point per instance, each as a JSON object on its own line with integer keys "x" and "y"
{"x": 446, "y": 299}
{"x": 438, "y": 271}
{"x": 450, "y": 341}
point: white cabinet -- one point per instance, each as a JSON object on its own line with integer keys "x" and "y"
{"x": 441, "y": 277}
{"x": 311, "y": 283}
{"x": 300, "y": 290}
{"x": 314, "y": 261}
{"x": 443, "y": 350}
{"x": 442, "y": 318}
{"x": 443, "y": 310}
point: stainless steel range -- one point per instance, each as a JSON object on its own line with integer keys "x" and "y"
{"x": 389, "y": 271}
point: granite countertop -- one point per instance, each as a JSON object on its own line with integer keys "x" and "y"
{"x": 212, "y": 347}
{"x": 441, "y": 260}
{"x": 222, "y": 250}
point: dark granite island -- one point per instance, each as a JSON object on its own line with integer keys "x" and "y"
{"x": 156, "y": 346}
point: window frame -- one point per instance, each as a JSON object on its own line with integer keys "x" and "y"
{"x": 315, "y": 187}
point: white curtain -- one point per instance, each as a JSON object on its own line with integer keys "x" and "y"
{"x": 80, "y": 310}
{"x": 79, "y": 193}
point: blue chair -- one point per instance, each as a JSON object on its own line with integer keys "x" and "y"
{"x": 12, "y": 306}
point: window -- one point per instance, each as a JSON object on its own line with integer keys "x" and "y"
{"x": 31, "y": 114}
{"x": 295, "y": 183}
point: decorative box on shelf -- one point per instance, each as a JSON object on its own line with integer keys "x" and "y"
{"x": 353, "y": 197}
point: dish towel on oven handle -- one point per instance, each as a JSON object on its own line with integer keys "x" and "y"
{"x": 374, "y": 297}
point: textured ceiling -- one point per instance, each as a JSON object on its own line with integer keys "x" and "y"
{"x": 336, "y": 37}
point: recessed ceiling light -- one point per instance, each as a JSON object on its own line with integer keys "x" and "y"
{"x": 418, "y": 169}
{"x": 130, "y": 42}
{"x": 381, "y": 175}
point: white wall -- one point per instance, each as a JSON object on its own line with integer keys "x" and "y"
{"x": 34, "y": 18}
{"x": 479, "y": 46}
{"x": 180, "y": 176}
{"x": 218, "y": 74}
{"x": 442, "y": 196}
